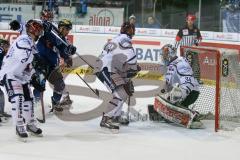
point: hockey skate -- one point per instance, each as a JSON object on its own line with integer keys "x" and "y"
{"x": 21, "y": 133}
{"x": 121, "y": 120}
{"x": 196, "y": 123}
{"x": 34, "y": 130}
{"x": 66, "y": 101}
{"x": 56, "y": 107}
{"x": 108, "y": 124}
{"x": 4, "y": 114}
{"x": 4, "y": 117}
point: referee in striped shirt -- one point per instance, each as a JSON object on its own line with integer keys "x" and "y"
{"x": 190, "y": 36}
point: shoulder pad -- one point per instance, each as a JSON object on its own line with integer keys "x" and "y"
{"x": 24, "y": 42}
{"x": 125, "y": 43}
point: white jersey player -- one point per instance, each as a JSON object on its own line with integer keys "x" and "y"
{"x": 181, "y": 89}
{"x": 180, "y": 83}
{"x": 116, "y": 66}
{"x": 16, "y": 73}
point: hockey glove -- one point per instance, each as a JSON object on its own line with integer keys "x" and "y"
{"x": 129, "y": 88}
{"x": 132, "y": 72}
{"x": 71, "y": 49}
{"x": 176, "y": 94}
{"x": 38, "y": 82}
{"x": 14, "y": 25}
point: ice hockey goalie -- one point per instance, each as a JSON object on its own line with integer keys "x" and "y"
{"x": 180, "y": 90}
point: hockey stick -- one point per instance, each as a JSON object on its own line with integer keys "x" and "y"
{"x": 84, "y": 60}
{"x": 128, "y": 109}
{"x": 95, "y": 91}
{"x": 43, "y": 120}
{"x": 65, "y": 43}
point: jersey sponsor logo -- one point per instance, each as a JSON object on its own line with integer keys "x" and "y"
{"x": 185, "y": 32}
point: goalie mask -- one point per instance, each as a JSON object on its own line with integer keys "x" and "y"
{"x": 168, "y": 53}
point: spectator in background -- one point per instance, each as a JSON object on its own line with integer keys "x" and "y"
{"x": 132, "y": 19}
{"x": 151, "y": 23}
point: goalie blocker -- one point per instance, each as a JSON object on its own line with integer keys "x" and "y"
{"x": 176, "y": 114}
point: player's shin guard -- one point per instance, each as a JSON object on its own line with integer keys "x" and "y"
{"x": 17, "y": 116}
{"x": 17, "y": 109}
{"x": 115, "y": 106}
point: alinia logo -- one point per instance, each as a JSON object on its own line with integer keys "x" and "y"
{"x": 103, "y": 18}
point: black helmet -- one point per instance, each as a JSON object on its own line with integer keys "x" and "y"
{"x": 128, "y": 28}
{"x": 4, "y": 42}
{"x": 65, "y": 23}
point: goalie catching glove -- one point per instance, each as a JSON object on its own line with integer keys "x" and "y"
{"x": 176, "y": 94}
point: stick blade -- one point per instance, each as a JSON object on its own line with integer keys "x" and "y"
{"x": 97, "y": 92}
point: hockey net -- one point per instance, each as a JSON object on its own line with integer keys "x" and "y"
{"x": 218, "y": 71}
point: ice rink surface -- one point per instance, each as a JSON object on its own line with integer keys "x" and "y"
{"x": 79, "y": 140}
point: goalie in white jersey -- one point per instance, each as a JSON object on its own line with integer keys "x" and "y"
{"x": 116, "y": 66}
{"x": 181, "y": 89}
{"x": 16, "y": 73}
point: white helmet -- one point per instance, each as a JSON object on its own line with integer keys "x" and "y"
{"x": 168, "y": 52}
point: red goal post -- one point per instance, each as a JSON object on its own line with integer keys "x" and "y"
{"x": 218, "y": 70}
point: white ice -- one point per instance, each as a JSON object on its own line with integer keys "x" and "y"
{"x": 64, "y": 140}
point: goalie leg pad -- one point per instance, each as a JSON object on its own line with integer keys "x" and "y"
{"x": 178, "y": 115}
{"x": 154, "y": 115}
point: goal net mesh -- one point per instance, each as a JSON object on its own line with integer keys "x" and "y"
{"x": 213, "y": 67}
